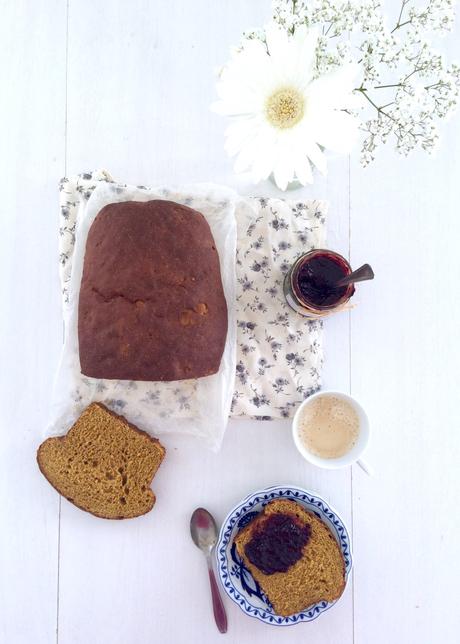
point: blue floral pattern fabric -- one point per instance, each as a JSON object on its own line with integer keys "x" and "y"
{"x": 279, "y": 353}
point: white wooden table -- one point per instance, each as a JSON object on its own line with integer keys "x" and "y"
{"x": 126, "y": 86}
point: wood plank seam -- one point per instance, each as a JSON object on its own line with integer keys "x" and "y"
{"x": 349, "y": 389}
{"x": 66, "y": 87}
{"x": 63, "y": 329}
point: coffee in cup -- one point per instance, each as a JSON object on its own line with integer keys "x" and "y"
{"x": 328, "y": 427}
{"x": 331, "y": 430}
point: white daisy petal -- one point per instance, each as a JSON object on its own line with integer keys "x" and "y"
{"x": 282, "y": 53}
{"x": 280, "y": 176}
{"x": 238, "y": 134}
{"x": 248, "y": 154}
{"x": 333, "y": 88}
{"x": 277, "y": 40}
{"x": 306, "y": 41}
{"x": 337, "y": 132}
{"x": 317, "y": 157}
{"x": 303, "y": 169}
{"x": 283, "y": 171}
{"x": 267, "y": 152}
{"x": 236, "y": 108}
{"x": 244, "y": 160}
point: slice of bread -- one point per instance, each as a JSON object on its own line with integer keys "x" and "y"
{"x": 103, "y": 465}
{"x": 318, "y": 575}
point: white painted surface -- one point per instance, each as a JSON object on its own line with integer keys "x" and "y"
{"x": 133, "y": 98}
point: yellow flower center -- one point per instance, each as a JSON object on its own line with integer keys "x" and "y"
{"x": 285, "y": 108}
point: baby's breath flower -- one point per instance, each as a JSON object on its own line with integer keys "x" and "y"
{"x": 406, "y": 86}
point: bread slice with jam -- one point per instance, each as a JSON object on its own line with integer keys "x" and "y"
{"x": 293, "y": 556}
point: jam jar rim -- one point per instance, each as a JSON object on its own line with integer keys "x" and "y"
{"x": 310, "y": 305}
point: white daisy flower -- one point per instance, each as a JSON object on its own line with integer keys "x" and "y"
{"x": 283, "y": 117}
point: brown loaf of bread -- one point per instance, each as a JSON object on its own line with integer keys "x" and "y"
{"x": 152, "y": 305}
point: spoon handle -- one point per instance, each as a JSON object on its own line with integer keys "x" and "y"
{"x": 364, "y": 466}
{"x": 361, "y": 274}
{"x": 217, "y": 605}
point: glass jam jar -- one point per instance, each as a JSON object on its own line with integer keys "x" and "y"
{"x": 310, "y": 284}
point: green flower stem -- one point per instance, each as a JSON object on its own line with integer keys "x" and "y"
{"x": 380, "y": 110}
{"x": 400, "y": 24}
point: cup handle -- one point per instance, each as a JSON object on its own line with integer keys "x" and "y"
{"x": 364, "y": 466}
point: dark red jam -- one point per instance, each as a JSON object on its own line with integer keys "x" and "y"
{"x": 316, "y": 278}
{"x": 278, "y": 543}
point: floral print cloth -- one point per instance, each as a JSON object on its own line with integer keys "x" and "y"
{"x": 279, "y": 354}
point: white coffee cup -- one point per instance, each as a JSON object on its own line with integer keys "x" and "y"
{"x": 354, "y": 454}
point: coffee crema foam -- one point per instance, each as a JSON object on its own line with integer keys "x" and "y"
{"x": 328, "y": 427}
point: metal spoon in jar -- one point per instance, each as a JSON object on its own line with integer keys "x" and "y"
{"x": 361, "y": 274}
{"x": 204, "y": 534}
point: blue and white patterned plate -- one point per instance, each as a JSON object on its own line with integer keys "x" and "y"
{"x": 236, "y": 579}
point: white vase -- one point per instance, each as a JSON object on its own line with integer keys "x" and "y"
{"x": 292, "y": 185}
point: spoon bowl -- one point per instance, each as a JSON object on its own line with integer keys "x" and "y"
{"x": 203, "y": 531}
